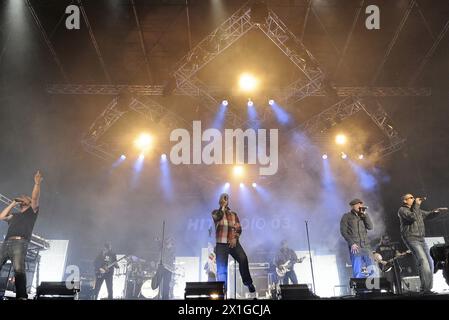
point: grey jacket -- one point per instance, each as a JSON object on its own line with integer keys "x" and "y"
{"x": 355, "y": 229}
{"x": 412, "y": 221}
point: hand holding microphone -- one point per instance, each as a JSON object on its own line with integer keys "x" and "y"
{"x": 362, "y": 211}
{"x": 419, "y": 200}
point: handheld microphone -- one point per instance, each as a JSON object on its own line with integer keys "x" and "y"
{"x": 422, "y": 198}
{"x": 18, "y": 200}
{"x": 363, "y": 208}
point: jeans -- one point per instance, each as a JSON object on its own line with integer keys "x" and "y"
{"x": 107, "y": 277}
{"x": 424, "y": 262}
{"x": 222, "y": 252}
{"x": 15, "y": 250}
{"x": 290, "y": 275}
{"x": 362, "y": 264}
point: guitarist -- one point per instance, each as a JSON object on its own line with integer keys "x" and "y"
{"x": 384, "y": 252}
{"x": 104, "y": 270}
{"x": 284, "y": 255}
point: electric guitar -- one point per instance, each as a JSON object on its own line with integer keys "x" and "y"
{"x": 105, "y": 268}
{"x": 287, "y": 266}
{"x": 386, "y": 266}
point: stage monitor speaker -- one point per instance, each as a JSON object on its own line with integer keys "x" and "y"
{"x": 367, "y": 285}
{"x": 58, "y": 290}
{"x": 296, "y": 292}
{"x": 204, "y": 290}
{"x": 411, "y": 284}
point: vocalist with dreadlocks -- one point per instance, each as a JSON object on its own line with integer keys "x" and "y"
{"x": 228, "y": 231}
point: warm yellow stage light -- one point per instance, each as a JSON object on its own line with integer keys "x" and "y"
{"x": 340, "y": 139}
{"x": 247, "y": 82}
{"x": 143, "y": 142}
{"x": 238, "y": 171}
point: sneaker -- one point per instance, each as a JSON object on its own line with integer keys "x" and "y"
{"x": 251, "y": 288}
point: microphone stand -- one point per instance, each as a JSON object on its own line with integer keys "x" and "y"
{"x": 161, "y": 265}
{"x": 310, "y": 255}
{"x": 235, "y": 279}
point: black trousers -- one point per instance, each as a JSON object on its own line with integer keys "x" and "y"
{"x": 223, "y": 251}
{"x": 107, "y": 277}
{"x": 15, "y": 250}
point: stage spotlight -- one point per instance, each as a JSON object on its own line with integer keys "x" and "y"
{"x": 227, "y": 185}
{"x": 241, "y": 185}
{"x": 361, "y": 157}
{"x": 254, "y": 184}
{"x": 247, "y": 82}
{"x": 143, "y": 142}
{"x": 238, "y": 171}
{"x": 344, "y": 155}
{"x": 224, "y": 103}
{"x": 271, "y": 102}
{"x": 340, "y": 139}
{"x": 141, "y": 156}
{"x": 123, "y": 157}
{"x": 163, "y": 157}
{"x": 324, "y": 156}
{"x": 250, "y": 103}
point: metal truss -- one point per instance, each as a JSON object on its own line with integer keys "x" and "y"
{"x": 105, "y": 120}
{"x": 213, "y": 45}
{"x": 394, "y": 141}
{"x": 207, "y": 50}
{"x": 387, "y": 147}
{"x": 346, "y": 108}
{"x": 5, "y": 199}
{"x": 229, "y": 32}
{"x": 102, "y": 124}
{"x": 382, "y": 120}
{"x": 148, "y": 108}
{"x": 294, "y": 49}
{"x": 330, "y": 117}
{"x": 155, "y": 112}
{"x": 194, "y": 90}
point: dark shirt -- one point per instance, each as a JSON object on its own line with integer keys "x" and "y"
{"x": 22, "y": 223}
{"x": 285, "y": 255}
{"x": 354, "y": 229}
{"x": 105, "y": 259}
{"x": 386, "y": 251}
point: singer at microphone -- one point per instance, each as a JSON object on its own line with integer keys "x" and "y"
{"x": 354, "y": 227}
{"x": 413, "y": 232}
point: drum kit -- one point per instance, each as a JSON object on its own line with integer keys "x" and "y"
{"x": 140, "y": 278}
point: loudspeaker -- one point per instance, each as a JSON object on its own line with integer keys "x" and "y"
{"x": 411, "y": 284}
{"x": 296, "y": 292}
{"x": 58, "y": 290}
{"x": 367, "y": 285}
{"x": 205, "y": 290}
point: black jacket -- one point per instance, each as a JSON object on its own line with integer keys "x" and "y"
{"x": 105, "y": 259}
{"x": 412, "y": 221}
{"x": 355, "y": 229}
